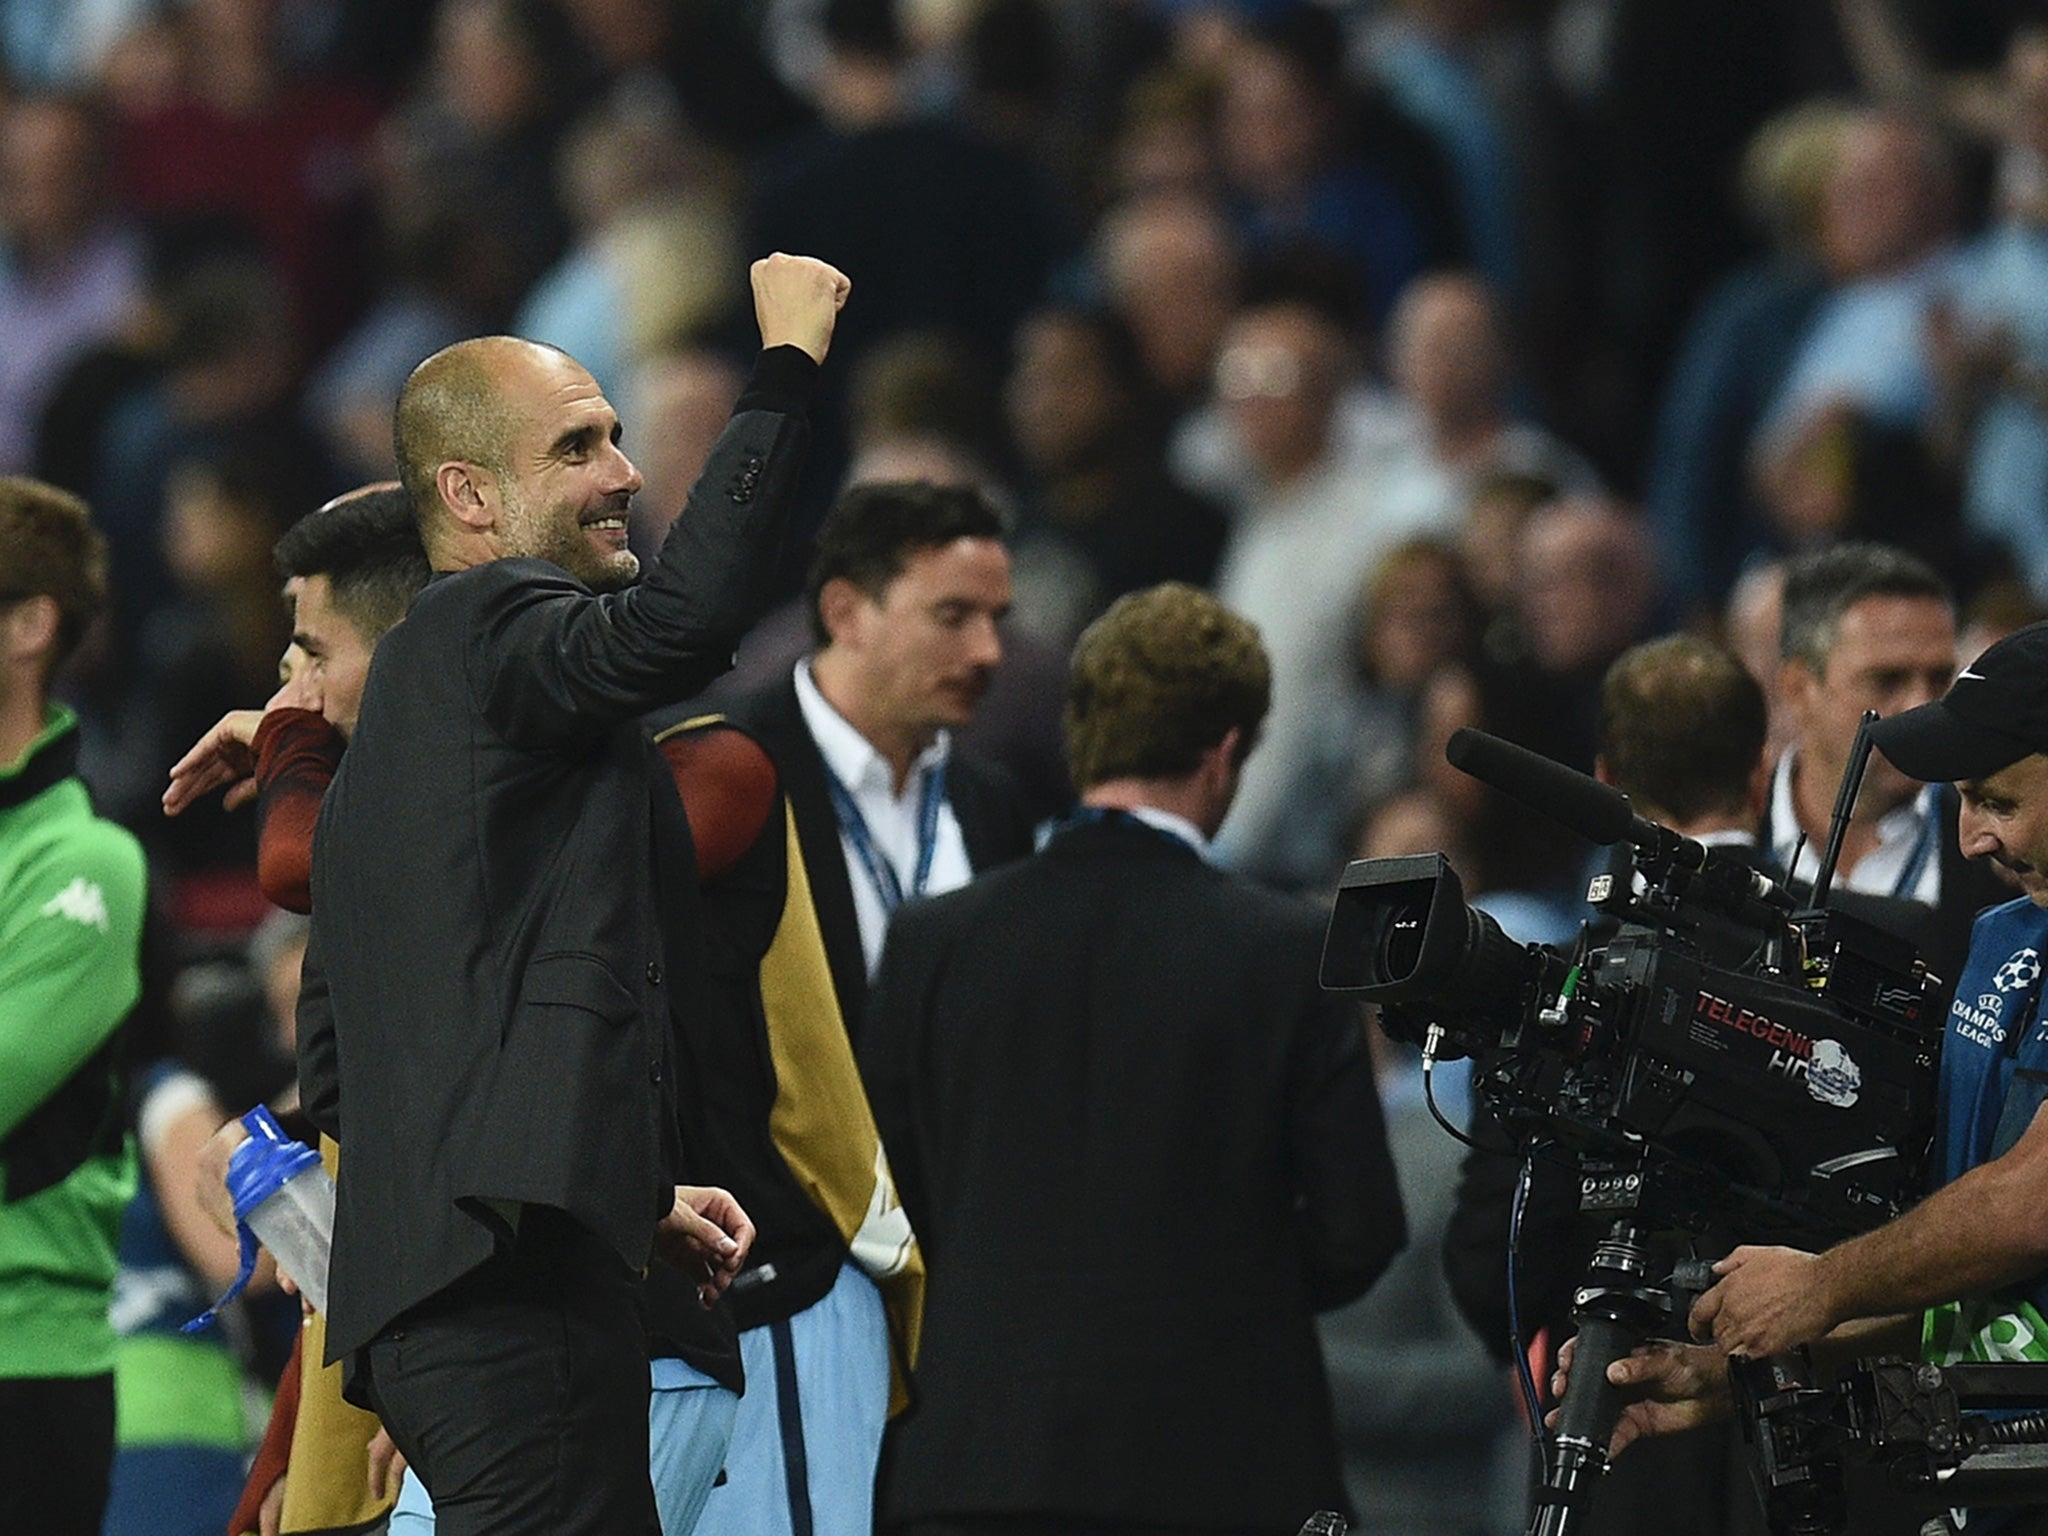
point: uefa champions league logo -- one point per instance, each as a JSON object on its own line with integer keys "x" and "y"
{"x": 2019, "y": 972}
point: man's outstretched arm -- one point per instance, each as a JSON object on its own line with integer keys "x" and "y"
{"x": 1985, "y": 1231}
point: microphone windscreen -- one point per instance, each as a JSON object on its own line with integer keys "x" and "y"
{"x": 1598, "y": 812}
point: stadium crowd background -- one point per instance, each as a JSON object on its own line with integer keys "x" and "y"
{"x": 1460, "y": 344}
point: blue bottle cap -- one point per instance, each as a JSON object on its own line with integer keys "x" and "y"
{"x": 260, "y": 1167}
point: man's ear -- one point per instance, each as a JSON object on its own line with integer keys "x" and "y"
{"x": 469, "y": 494}
{"x": 839, "y": 606}
{"x": 1222, "y": 762}
{"x": 1797, "y": 684}
{"x": 29, "y": 628}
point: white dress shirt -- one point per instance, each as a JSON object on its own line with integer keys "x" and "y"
{"x": 1905, "y": 839}
{"x": 892, "y": 819}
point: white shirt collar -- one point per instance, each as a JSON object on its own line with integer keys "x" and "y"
{"x": 1173, "y": 826}
{"x": 1897, "y": 831}
{"x": 1725, "y": 837}
{"x": 850, "y": 755}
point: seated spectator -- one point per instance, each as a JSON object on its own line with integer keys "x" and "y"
{"x": 1302, "y": 544}
{"x": 1416, "y": 616}
{"x": 1447, "y": 360}
{"x": 1097, "y": 490}
{"x": 71, "y": 271}
{"x": 1887, "y": 220}
{"x": 244, "y": 133}
{"x": 1296, "y": 174}
{"x": 1741, "y": 340}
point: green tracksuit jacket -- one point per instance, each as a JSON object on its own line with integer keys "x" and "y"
{"x": 71, "y": 905}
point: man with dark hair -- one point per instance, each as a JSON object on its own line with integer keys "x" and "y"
{"x": 907, "y": 591}
{"x": 484, "y": 1009}
{"x": 1142, "y": 1061}
{"x": 72, "y": 894}
{"x": 1866, "y": 626}
{"x": 835, "y": 794}
{"x": 350, "y": 569}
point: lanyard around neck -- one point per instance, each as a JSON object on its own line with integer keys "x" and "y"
{"x": 1923, "y": 850}
{"x": 880, "y": 872}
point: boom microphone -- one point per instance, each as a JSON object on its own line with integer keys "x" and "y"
{"x": 1598, "y": 812}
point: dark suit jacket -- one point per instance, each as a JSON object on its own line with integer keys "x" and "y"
{"x": 993, "y": 823}
{"x": 1141, "y": 1147}
{"x": 486, "y": 1019}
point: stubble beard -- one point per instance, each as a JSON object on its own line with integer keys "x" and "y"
{"x": 560, "y": 537}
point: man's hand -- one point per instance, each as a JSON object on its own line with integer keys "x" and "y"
{"x": 270, "y": 1513}
{"x": 210, "y": 1175}
{"x": 224, "y": 756}
{"x": 1768, "y": 1300}
{"x": 797, "y": 301}
{"x": 387, "y": 1466}
{"x": 1676, "y": 1387}
{"x": 706, "y": 1235}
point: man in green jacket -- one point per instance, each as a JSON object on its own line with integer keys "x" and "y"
{"x": 71, "y": 905}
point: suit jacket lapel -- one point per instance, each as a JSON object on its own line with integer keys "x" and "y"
{"x": 803, "y": 781}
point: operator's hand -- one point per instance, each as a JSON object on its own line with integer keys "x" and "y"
{"x": 706, "y": 1235}
{"x": 797, "y": 301}
{"x": 1675, "y": 1387}
{"x": 1768, "y": 1300}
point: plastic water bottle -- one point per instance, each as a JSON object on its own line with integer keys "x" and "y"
{"x": 284, "y": 1200}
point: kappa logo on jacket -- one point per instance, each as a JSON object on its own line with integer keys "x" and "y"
{"x": 82, "y": 902}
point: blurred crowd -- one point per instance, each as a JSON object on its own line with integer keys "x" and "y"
{"x": 1459, "y": 344}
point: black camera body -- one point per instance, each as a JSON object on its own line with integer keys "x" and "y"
{"x": 1774, "y": 1071}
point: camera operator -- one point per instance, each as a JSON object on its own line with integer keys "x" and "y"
{"x": 1682, "y": 732}
{"x": 1964, "y": 1275}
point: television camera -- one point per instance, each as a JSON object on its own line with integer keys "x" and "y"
{"x": 1726, "y": 1060}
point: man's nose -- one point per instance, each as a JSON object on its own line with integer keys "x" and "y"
{"x": 624, "y": 477}
{"x": 986, "y": 643}
{"x": 1973, "y": 833}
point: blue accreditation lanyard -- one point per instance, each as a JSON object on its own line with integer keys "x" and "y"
{"x": 881, "y": 873}
{"x": 1923, "y": 850}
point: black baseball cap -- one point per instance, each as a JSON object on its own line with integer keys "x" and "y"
{"x": 1994, "y": 714}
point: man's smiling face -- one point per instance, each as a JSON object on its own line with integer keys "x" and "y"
{"x": 2005, "y": 819}
{"x": 568, "y": 485}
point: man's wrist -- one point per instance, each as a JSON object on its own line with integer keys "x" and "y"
{"x": 784, "y": 379}
{"x": 1829, "y": 1277}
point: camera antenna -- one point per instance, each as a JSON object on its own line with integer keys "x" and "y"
{"x": 1845, "y": 802}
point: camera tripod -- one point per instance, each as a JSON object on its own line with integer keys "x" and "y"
{"x": 1621, "y": 1301}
